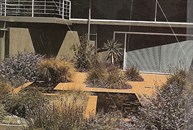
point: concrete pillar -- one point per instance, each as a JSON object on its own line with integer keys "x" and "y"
{"x": 190, "y": 17}
{"x": 66, "y": 50}
{"x": 2, "y": 48}
{"x": 2, "y": 41}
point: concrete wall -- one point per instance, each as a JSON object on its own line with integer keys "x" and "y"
{"x": 2, "y": 49}
{"x": 2, "y": 42}
{"x": 66, "y": 50}
{"x": 45, "y": 39}
{"x": 20, "y": 41}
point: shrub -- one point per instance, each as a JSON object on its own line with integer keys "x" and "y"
{"x": 83, "y": 54}
{"x": 53, "y": 71}
{"x": 64, "y": 112}
{"x": 170, "y": 108}
{"x": 178, "y": 78}
{"x": 5, "y": 88}
{"x": 95, "y": 75}
{"x": 3, "y": 113}
{"x": 111, "y": 77}
{"x": 19, "y": 104}
{"x": 115, "y": 78}
{"x": 132, "y": 74}
{"x": 20, "y": 69}
{"x": 105, "y": 121}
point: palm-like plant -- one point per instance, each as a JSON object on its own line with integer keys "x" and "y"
{"x": 114, "y": 50}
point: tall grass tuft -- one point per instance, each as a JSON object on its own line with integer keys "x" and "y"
{"x": 52, "y": 71}
{"x": 110, "y": 77}
{"x": 132, "y": 74}
{"x": 64, "y": 112}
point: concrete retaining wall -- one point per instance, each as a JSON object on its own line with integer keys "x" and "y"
{"x": 11, "y": 127}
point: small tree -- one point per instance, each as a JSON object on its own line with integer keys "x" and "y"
{"x": 114, "y": 50}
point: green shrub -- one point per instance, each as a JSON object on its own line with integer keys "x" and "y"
{"x": 20, "y": 69}
{"x": 53, "y": 71}
{"x": 132, "y": 74}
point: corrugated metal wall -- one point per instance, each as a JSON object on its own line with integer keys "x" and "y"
{"x": 164, "y": 59}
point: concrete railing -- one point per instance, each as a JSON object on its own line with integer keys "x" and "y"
{"x": 36, "y": 8}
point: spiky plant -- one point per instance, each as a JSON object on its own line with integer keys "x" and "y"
{"x": 114, "y": 50}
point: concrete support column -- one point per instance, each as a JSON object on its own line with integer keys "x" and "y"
{"x": 2, "y": 48}
{"x": 190, "y": 17}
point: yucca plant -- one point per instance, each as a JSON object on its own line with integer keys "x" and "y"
{"x": 114, "y": 50}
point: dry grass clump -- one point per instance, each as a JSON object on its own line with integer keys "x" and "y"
{"x": 63, "y": 112}
{"x": 5, "y": 88}
{"x": 132, "y": 74}
{"x": 53, "y": 71}
{"x": 177, "y": 78}
{"x": 115, "y": 79}
{"x": 95, "y": 75}
{"x": 110, "y": 77}
{"x": 3, "y": 113}
{"x": 105, "y": 121}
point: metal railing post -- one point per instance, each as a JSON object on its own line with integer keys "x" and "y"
{"x": 5, "y": 13}
{"x": 156, "y": 5}
{"x": 44, "y": 6}
{"x": 1, "y": 9}
{"x": 32, "y": 9}
{"x": 59, "y": 7}
{"x": 63, "y": 9}
{"x": 70, "y": 9}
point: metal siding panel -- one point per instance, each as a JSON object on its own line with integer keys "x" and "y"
{"x": 164, "y": 59}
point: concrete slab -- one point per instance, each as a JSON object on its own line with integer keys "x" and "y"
{"x": 90, "y": 110}
{"x": 35, "y": 19}
{"x": 147, "y": 87}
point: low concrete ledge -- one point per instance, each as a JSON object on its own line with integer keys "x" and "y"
{"x": 11, "y": 127}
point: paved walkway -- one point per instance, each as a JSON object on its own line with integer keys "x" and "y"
{"x": 147, "y": 87}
